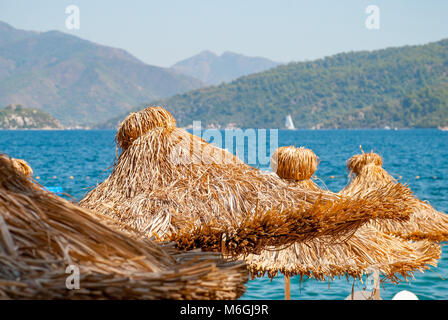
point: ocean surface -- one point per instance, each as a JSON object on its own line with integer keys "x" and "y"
{"x": 78, "y": 160}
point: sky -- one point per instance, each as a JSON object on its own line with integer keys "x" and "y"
{"x": 164, "y": 32}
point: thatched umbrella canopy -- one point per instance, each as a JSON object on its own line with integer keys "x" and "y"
{"x": 425, "y": 222}
{"x": 174, "y": 185}
{"x": 41, "y": 234}
{"x": 367, "y": 250}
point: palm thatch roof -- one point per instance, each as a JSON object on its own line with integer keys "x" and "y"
{"x": 173, "y": 185}
{"x": 41, "y": 234}
{"x": 366, "y": 250}
{"x": 367, "y": 174}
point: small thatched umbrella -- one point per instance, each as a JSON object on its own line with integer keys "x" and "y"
{"x": 425, "y": 222}
{"x": 367, "y": 250}
{"x": 42, "y": 234}
{"x": 174, "y": 185}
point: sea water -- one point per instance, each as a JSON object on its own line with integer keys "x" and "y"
{"x": 78, "y": 160}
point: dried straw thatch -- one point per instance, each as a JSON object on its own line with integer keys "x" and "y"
{"x": 356, "y": 163}
{"x": 296, "y": 164}
{"x": 368, "y": 174}
{"x": 23, "y": 167}
{"x": 367, "y": 250}
{"x": 138, "y": 123}
{"x": 174, "y": 185}
{"x": 20, "y": 165}
{"x": 41, "y": 234}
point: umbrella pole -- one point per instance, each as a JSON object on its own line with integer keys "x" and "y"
{"x": 376, "y": 285}
{"x": 287, "y": 288}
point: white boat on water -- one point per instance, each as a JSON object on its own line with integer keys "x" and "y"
{"x": 443, "y": 128}
{"x": 288, "y": 123}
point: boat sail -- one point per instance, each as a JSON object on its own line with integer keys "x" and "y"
{"x": 288, "y": 123}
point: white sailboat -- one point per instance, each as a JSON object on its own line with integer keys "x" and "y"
{"x": 288, "y": 123}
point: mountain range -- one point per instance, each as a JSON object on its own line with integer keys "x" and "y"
{"x": 78, "y": 81}
{"x": 213, "y": 69}
{"x": 82, "y": 83}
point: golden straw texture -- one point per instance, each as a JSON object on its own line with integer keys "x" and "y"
{"x": 356, "y": 163}
{"x": 20, "y": 165}
{"x": 424, "y": 223}
{"x": 367, "y": 250}
{"x": 41, "y": 234}
{"x": 176, "y": 186}
{"x": 294, "y": 163}
{"x": 138, "y": 123}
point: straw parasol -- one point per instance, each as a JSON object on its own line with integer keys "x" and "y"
{"x": 367, "y": 250}
{"x": 173, "y": 185}
{"x": 367, "y": 174}
{"x": 42, "y": 234}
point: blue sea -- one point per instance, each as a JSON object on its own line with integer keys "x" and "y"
{"x": 78, "y": 160}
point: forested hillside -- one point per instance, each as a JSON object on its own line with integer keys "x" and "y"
{"x": 404, "y": 87}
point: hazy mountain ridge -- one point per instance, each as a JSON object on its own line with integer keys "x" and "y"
{"x": 213, "y": 69}
{"x": 78, "y": 81}
{"x": 83, "y": 83}
{"x": 10, "y": 34}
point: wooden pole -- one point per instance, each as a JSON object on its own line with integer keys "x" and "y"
{"x": 376, "y": 285}
{"x": 287, "y": 288}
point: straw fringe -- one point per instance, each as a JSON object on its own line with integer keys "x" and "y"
{"x": 41, "y": 234}
{"x": 169, "y": 183}
{"x": 425, "y": 222}
{"x": 256, "y": 232}
{"x": 367, "y": 249}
